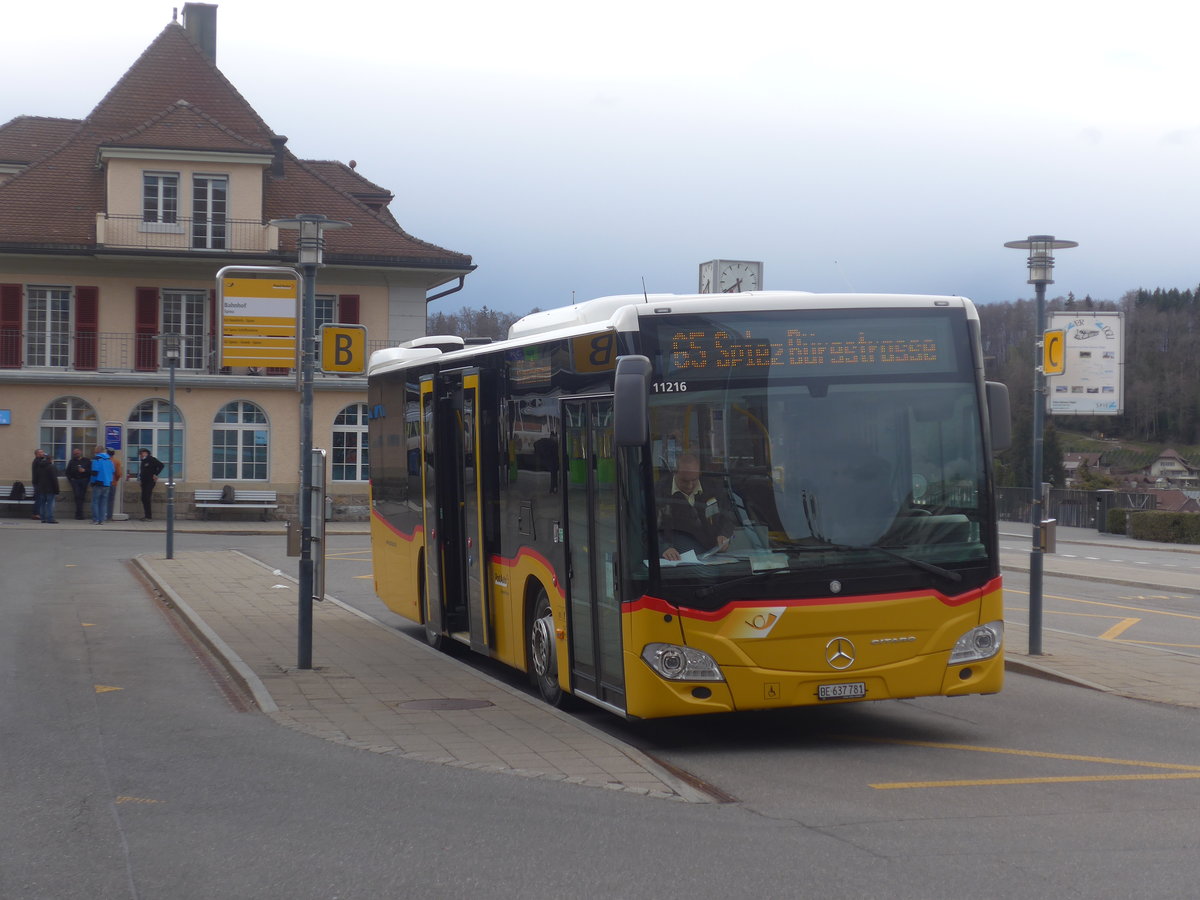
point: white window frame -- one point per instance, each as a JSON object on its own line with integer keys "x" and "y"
{"x": 160, "y": 224}
{"x": 250, "y": 419}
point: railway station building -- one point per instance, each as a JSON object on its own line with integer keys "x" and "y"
{"x": 112, "y": 230}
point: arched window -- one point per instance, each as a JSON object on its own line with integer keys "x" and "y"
{"x": 150, "y": 427}
{"x": 67, "y": 423}
{"x": 241, "y": 443}
{"x": 350, "y": 444}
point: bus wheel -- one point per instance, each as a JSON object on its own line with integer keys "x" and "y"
{"x": 543, "y": 660}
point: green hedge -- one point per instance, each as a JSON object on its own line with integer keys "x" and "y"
{"x": 1173, "y": 528}
{"x": 1116, "y": 521}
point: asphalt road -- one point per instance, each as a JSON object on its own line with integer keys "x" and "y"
{"x": 165, "y": 787}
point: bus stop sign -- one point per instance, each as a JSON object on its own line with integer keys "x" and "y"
{"x": 1053, "y": 356}
{"x": 344, "y": 349}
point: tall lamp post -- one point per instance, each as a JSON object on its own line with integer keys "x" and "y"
{"x": 1041, "y": 268}
{"x": 310, "y": 247}
{"x": 172, "y": 350}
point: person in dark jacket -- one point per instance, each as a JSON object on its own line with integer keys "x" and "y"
{"x": 148, "y": 469}
{"x": 692, "y": 516}
{"x": 45, "y": 486}
{"x": 79, "y": 473}
{"x": 38, "y": 455}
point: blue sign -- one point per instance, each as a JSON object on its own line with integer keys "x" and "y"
{"x": 5, "y": 416}
{"x": 113, "y": 437}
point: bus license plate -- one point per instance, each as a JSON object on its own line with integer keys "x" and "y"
{"x": 855, "y": 690}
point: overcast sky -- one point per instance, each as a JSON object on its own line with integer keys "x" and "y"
{"x": 575, "y": 149}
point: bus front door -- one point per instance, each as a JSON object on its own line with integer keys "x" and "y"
{"x": 591, "y": 498}
{"x": 455, "y": 559}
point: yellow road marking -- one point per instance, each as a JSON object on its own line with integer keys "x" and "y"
{"x": 1155, "y": 612}
{"x": 1034, "y": 754}
{"x": 1065, "y": 779}
{"x": 1120, "y": 628}
{"x": 124, "y": 799}
{"x": 1174, "y": 772}
{"x": 105, "y": 688}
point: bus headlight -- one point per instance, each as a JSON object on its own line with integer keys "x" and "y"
{"x": 979, "y": 643}
{"x": 681, "y": 663}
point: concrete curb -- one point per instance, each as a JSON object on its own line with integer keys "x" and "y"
{"x": 234, "y": 663}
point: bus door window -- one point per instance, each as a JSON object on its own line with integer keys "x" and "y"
{"x": 593, "y": 542}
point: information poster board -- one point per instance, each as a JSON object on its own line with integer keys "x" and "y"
{"x": 1093, "y": 379}
{"x": 259, "y": 318}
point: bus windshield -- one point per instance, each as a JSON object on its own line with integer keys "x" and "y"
{"x": 873, "y": 469}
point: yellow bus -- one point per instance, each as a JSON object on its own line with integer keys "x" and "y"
{"x": 527, "y": 495}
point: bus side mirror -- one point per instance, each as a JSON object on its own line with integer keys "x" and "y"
{"x": 999, "y": 416}
{"x": 631, "y": 391}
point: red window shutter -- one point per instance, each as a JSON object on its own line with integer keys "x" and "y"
{"x": 348, "y": 309}
{"x": 11, "y": 296}
{"x": 146, "y": 329}
{"x": 87, "y": 326}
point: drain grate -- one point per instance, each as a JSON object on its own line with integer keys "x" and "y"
{"x": 445, "y": 703}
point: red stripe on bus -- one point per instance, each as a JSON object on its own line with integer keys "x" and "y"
{"x": 419, "y": 530}
{"x": 656, "y": 604}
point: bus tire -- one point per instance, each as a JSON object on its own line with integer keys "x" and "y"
{"x": 541, "y": 648}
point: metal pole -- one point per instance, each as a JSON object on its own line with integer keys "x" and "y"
{"x": 308, "y": 319}
{"x": 172, "y": 362}
{"x": 1039, "y": 417}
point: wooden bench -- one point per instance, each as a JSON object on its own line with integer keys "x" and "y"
{"x": 4, "y": 492}
{"x": 207, "y": 499}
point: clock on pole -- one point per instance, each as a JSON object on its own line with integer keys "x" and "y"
{"x": 730, "y": 276}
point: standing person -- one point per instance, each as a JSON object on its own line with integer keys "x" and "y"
{"x": 102, "y": 479}
{"x": 45, "y": 487}
{"x": 114, "y": 457}
{"x": 79, "y": 473}
{"x": 148, "y": 469}
{"x": 38, "y": 455}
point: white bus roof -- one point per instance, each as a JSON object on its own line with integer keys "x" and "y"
{"x": 620, "y": 313}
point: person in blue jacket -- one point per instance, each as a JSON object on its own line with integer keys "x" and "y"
{"x": 102, "y": 479}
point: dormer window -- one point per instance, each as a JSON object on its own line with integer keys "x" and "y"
{"x": 160, "y": 197}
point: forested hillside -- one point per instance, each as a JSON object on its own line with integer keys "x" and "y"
{"x": 1162, "y": 372}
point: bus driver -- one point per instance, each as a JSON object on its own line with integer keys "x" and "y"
{"x": 691, "y": 517}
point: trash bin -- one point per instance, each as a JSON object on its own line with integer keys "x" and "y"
{"x": 1048, "y": 535}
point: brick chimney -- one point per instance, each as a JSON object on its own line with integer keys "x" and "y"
{"x": 200, "y": 21}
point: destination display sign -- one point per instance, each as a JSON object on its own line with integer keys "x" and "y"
{"x": 806, "y": 346}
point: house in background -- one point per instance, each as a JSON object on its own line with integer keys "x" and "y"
{"x": 112, "y": 229}
{"x": 1172, "y": 470}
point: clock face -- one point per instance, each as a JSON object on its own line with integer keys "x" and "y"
{"x": 736, "y": 277}
{"x": 706, "y": 278}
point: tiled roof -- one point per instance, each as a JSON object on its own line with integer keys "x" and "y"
{"x": 346, "y": 178}
{"x": 26, "y": 138}
{"x": 183, "y": 126}
{"x": 174, "y": 97}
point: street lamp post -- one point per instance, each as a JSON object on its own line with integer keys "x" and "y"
{"x": 171, "y": 353}
{"x": 1041, "y": 268}
{"x": 310, "y": 247}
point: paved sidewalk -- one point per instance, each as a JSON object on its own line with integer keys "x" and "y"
{"x": 382, "y": 691}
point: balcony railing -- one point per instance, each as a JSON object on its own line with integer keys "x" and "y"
{"x": 201, "y": 234}
{"x": 120, "y": 352}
